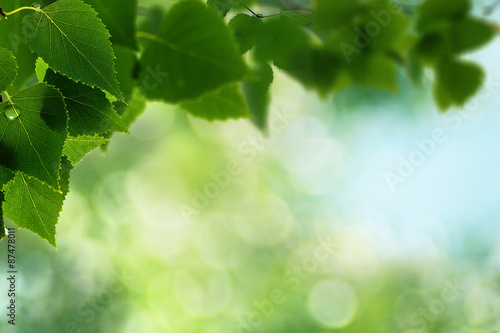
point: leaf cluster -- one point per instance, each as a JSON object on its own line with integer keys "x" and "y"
{"x": 98, "y": 62}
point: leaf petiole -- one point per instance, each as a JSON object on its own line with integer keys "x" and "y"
{"x": 4, "y": 14}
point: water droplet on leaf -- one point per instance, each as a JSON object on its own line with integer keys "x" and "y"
{"x": 12, "y": 111}
{"x": 36, "y": 5}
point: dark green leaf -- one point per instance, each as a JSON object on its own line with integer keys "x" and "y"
{"x": 334, "y": 14}
{"x": 33, "y": 132}
{"x": 444, "y": 8}
{"x": 456, "y": 82}
{"x": 471, "y": 33}
{"x": 119, "y": 17}
{"x": 75, "y": 148}
{"x": 89, "y": 111}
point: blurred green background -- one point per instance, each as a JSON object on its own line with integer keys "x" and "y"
{"x": 307, "y": 235}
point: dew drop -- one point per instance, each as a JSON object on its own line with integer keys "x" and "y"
{"x": 36, "y": 5}
{"x": 12, "y": 111}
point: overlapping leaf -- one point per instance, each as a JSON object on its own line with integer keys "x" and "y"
{"x": 192, "y": 54}
{"x": 32, "y": 134}
{"x": 119, "y": 17}
{"x": 89, "y": 111}
{"x": 73, "y": 41}
{"x": 75, "y": 148}
{"x": 11, "y": 38}
{"x": 456, "y": 82}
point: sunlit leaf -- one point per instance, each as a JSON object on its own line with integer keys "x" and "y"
{"x": 77, "y": 46}
{"x": 75, "y": 148}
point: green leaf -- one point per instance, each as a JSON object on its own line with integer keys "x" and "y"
{"x": 41, "y": 68}
{"x": 119, "y": 17}
{"x": 256, "y": 92}
{"x": 135, "y": 108}
{"x": 334, "y": 14}
{"x": 192, "y": 54}
{"x": 314, "y": 67}
{"x": 435, "y": 45}
{"x": 33, "y": 132}
{"x": 222, "y": 104}
{"x": 247, "y": 31}
{"x": 471, "y": 33}
{"x": 299, "y": 17}
{"x": 73, "y": 41}
{"x": 8, "y": 68}
{"x": 126, "y": 64}
{"x": 5, "y": 175}
{"x": 64, "y": 175}
{"x": 223, "y": 6}
{"x": 89, "y": 111}
{"x": 379, "y": 72}
{"x": 456, "y": 82}
{"x": 75, "y": 148}
{"x": 444, "y": 8}
{"x": 129, "y": 113}
{"x": 33, "y": 205}
{"x": 151, "y": 24}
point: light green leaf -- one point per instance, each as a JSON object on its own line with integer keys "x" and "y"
{"x": 75, "y": 148}
{"x": 73, "y": 41}
{"x": 192, "y": 54}
{"x": 32, "y": 133}
{"x": 40, "y": 69}
{"x": 33, "y": 205}
{"x": 89, "y": 111}
{"x": 8, "y": 68}
{"x": 119, "y": 17}
{"x": 256, "y": 92}
{"x": 456, "y": 82}
{"x": 222, "y": 104}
